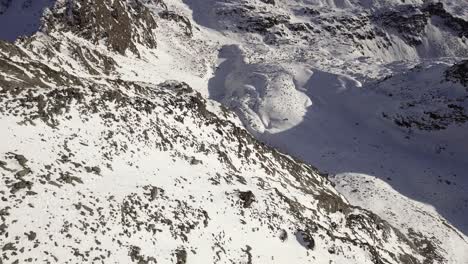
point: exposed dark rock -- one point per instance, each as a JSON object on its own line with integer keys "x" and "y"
{"x": 270, "y": 2}
{"x": 21, "y": 160}
{"x": 68, "y": 178}
{"x": 308, "y": 11}
{"x": 20, "y": 174}
{"x": 247, "y": 197}
{"x": 181, "y": 256}
{"x": 263, "y": 23}
{"x": 426, "y": 247}
{"x": 305, "y": 239}
{"x": 248, "y": 252}
{"x": 458, "y": 73}
{"x": 434, "y": 120}
{"x": 14, "y": 69}
{"x": 95, "y": 169}
{"x": 118, "y": 22}
{"x": 283, "y": 235}
{"x": 408, "y": 21}
{"x": 137, "y": 257}
{"x": 186, "y": 24}
{"x": 3, "y": 165}
{"x": 9, "y": 246}
{"x": 195, "y": 161}
{"x": 155, "y": 192}
{"x": 31, "y": 235}
{"x": 456, "y": 24}
{"x": 22, "y": 184}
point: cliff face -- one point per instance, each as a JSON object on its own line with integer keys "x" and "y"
{"x": 120, "y": 25}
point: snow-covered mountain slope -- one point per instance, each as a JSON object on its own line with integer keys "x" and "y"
{"x": 116, "y": 164}
{"x": 154, "y": 174}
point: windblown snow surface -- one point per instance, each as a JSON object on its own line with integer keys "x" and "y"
{"x": 105, "y": 160}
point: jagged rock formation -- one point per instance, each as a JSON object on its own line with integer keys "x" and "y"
{"x": 458, "y": 73}
{"x": 376, "y": 31}
{"x": 120, "y": 24}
